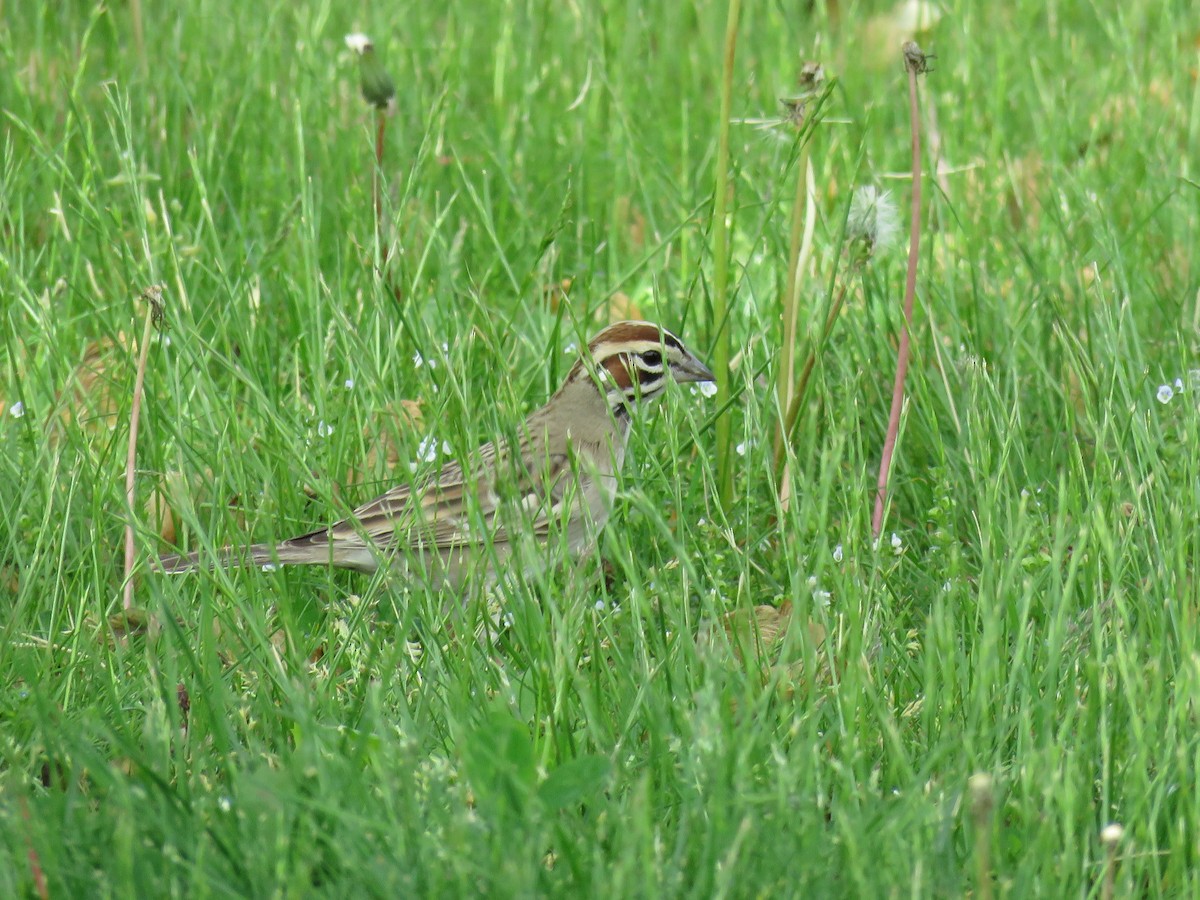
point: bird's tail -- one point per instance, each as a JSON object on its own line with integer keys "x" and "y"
{"x": 260, "y": 555}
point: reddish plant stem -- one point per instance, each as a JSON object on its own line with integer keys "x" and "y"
{"x": 720, "y": 239}
{"x": 910, "y": 290}
{"x": 376, "y": 180}
{"x": 35, "y": 865}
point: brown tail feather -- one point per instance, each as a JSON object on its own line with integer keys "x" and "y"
{"x": 254, "y": 555}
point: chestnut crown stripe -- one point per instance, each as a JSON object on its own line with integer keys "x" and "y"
{"x": 629, "y": 347}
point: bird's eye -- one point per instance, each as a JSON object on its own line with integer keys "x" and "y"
{"x": 652, "y": 358}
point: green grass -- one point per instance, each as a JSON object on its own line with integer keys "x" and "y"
{"x": 1038, "y": 621}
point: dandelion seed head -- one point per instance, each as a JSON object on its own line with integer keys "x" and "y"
{"x": 359, "y": 42}
{"x": 873, "y": 222}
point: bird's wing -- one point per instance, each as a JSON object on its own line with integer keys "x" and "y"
{"x": 455, "y": 511}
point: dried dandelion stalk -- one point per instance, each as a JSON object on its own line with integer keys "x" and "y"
{"x": 915, "y": 62}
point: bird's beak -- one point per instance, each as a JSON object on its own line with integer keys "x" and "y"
{"x": 691, "y": 369}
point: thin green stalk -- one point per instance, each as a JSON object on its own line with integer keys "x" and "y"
{"x": 793, "y": 410}
{"x": 721, "y": 353}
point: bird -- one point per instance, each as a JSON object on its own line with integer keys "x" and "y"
{"x": 521, "y": 500}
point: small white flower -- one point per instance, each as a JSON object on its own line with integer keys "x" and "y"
{"x": 1165, "y": 393}
{"x": 599, "y": 606}
{"x": 446, "y": 448}
{"x": 358, "y": 42}
{"x": 270, "y": 567}
{"x": 571, "y": 349}
{"x": 1179, "y": 385}
{"x": 225, "y": 804}
{"x": 348, "y": 384}
{"x": 897, "y": 544}
{"x": 17, "y": 410}
{"x": 702, "y": 521}
{"x": 837, "y": 553}
{"x": 740, "y": 449}
{"x": 164, "y": 339}
{"x": 946, "y": 587}
{"x": 708, "y": 389}
{"x": 324, "y": 429}
{"x": 508, "y": 619}
{"x": 418, "y": 359}
{"x": 427, "y": 451}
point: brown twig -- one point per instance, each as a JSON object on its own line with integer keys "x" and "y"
{"x": 812, "y": 78}
{"x": 979, "y": 787}
{"x": 790, "y": 305}
{"x": 915, "y": 63}
{"x": 1110, "y": 837}
{"x": 154, "y": 313}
